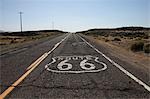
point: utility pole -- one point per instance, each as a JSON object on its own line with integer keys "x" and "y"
{"x": 52, "y": 25}
{"x": 21, "y": 20}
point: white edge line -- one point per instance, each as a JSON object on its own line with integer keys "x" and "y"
{"x": 57, "y": 44}
{"x": 47, "y": 53}
{"x": 2, "y": 95}
{"x": 119, "y": 67}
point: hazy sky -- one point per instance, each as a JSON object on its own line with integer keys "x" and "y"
{"x": 73, "y": 15}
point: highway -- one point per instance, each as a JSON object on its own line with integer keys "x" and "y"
{"x": 70, "y": 66}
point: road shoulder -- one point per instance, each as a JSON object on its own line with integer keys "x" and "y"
{"x": 128, "y": 56}
{"x": 127, "y": 60}
{"x": 25, "y": 45}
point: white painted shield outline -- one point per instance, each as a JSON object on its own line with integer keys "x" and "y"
{"x": 83, "y": 71}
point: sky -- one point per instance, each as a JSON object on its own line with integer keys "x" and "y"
{"x": 73, "y": 15}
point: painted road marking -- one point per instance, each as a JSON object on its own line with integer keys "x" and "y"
{"x": 119, "y": 67}
{"x": 7, "y": 91}
{"x": 29, "y": 70}
{"x": 84, "y": 63}
{"x": 55, "y": 46}
{"x": 33, "y": 64}
{"x": 64, "y": 61}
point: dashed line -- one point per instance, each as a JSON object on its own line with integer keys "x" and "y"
{"x": 119, "y": 67}
{"x": 29, "y": 70}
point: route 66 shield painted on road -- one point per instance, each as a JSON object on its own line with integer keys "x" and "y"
{"x": 75, "y": 64}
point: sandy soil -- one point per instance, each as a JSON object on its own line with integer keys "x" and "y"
{"x": 7, "y": 45}
{"x": 122, "y": 51}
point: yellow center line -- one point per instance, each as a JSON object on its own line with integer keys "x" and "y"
{"x": 6, "y": 92}
{"x": 29, "y": 70}
{"x": 35, "y": 62}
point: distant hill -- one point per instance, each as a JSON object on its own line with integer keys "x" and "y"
{"x": 123, "y": 31}
{"x": 29, "y": 33}
{"x": 121, "y": 28}
{"x": 133, "y": 28}
{"x": 1, "y": 31}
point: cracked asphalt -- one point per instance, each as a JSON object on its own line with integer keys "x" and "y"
{"x": 73, "y": 54}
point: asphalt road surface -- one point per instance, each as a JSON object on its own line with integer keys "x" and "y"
{"x": 70, "y": 67}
